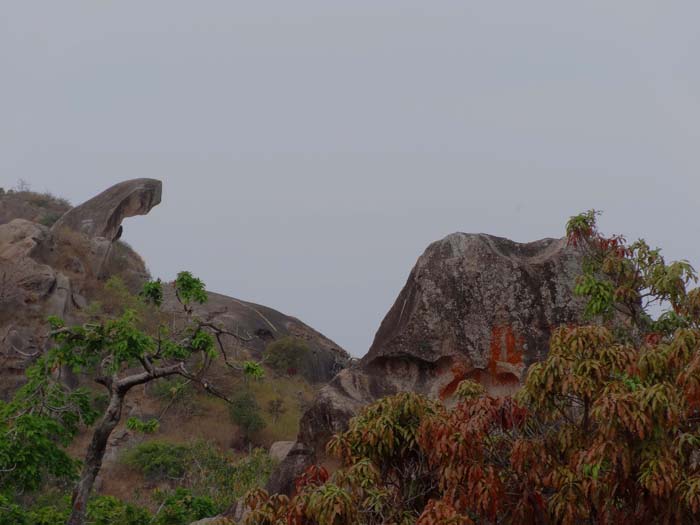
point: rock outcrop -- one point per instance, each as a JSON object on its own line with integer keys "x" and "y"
{"x": 102, "y": 215}
{"x": 29, "y": 290}
{"x": 475, "y": 306}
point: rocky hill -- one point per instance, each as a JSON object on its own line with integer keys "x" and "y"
{"x": 61, "y": 270}
{"x": 71, "y": 263}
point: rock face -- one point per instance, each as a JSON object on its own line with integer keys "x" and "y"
{"x": 29, "y": 289}
{"x": 102, "y": 215}
{"x": 475, "y": 306}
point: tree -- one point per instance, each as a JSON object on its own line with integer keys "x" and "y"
{"x": 35, "y": 427}
{"x": 606, "y": 429}
{"x": 245, "y": 413}
{"x": 385, "y": 476}
{"x": 119, "y": 353}
{"x": 286, "y": 354}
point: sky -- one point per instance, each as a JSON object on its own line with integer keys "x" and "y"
{"x": 311, "y": 150}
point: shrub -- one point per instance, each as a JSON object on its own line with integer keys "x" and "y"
{"x": 101, "y": 510}
{"x": 11, "y": 513}
{"x": 158, "y": 460}
{"x": 286, "y": 354}
{"x": 221, "y": 477}
{"x": 218, "y": 476}
{"x": 245, "y": 413}
{"x": 182, "y": 508}
{"x": 107, "y": 510}
{"x": 49, "y": 219}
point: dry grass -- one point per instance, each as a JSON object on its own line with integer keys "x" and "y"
{"x": 295, "y": 392}
{"x": 44, "y": 208}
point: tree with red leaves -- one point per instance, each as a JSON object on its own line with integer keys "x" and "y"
{"x": 605, "y": 430}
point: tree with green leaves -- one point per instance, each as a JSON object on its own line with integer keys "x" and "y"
{"x": 119, "y": 354}
{"x": 245, "y": 412}
{"x": 286, "y": 354}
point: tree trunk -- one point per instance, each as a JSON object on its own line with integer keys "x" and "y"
{"x": 94, "y": 456}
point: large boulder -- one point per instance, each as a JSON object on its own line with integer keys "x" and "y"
{"x": 102, "y": 215}
{"x": 474, "y": 306}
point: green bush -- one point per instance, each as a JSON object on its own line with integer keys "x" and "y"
{"x": 49, "y": 219}
{"x": 107, "y": 510}
{"x": 11, "y": 513}
{"x": 286, "y": 354}
{"x": 245, "y": 413}
{"x": 182, "y": 508}
{"x": 158, "y": 460}
{"x": 218, "y": 476}
{"x": 101, "y": 510}
{"x": 224, "y": 479}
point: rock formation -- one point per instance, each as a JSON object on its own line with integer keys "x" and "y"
{"x": 475, "y": 306}
{"x": 102, "y": 215}
{"x": 56, "y": 271}
{"x": 29, "y": 290}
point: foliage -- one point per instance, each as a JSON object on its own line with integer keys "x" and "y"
{"x": 189, "y": 289}
{"x": 223, "y": 478}
{"x": 145, "y": 427}
{"x": 286, "y": 354}
{"x": 107, "y": 510}
{"x": 245, "y": 413}
{"x": 37, "y": 425}
{"x": 11, "y": 513}
{"x": 202, "y": 469}
{"x": 49, "y": 219}
{"x": 182, "y": 508}
{"x": 158, "y": 460}
{"x": 253, "y": 370}
{"x": 153, "y": 292}
{"x": 101, "y": 510}
{"x": 40, "y": 422}
{"x": 629, "y": 278}
{"x": 385, "y": 477}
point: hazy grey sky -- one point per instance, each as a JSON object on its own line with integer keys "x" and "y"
{"x": 311, "y": 150}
